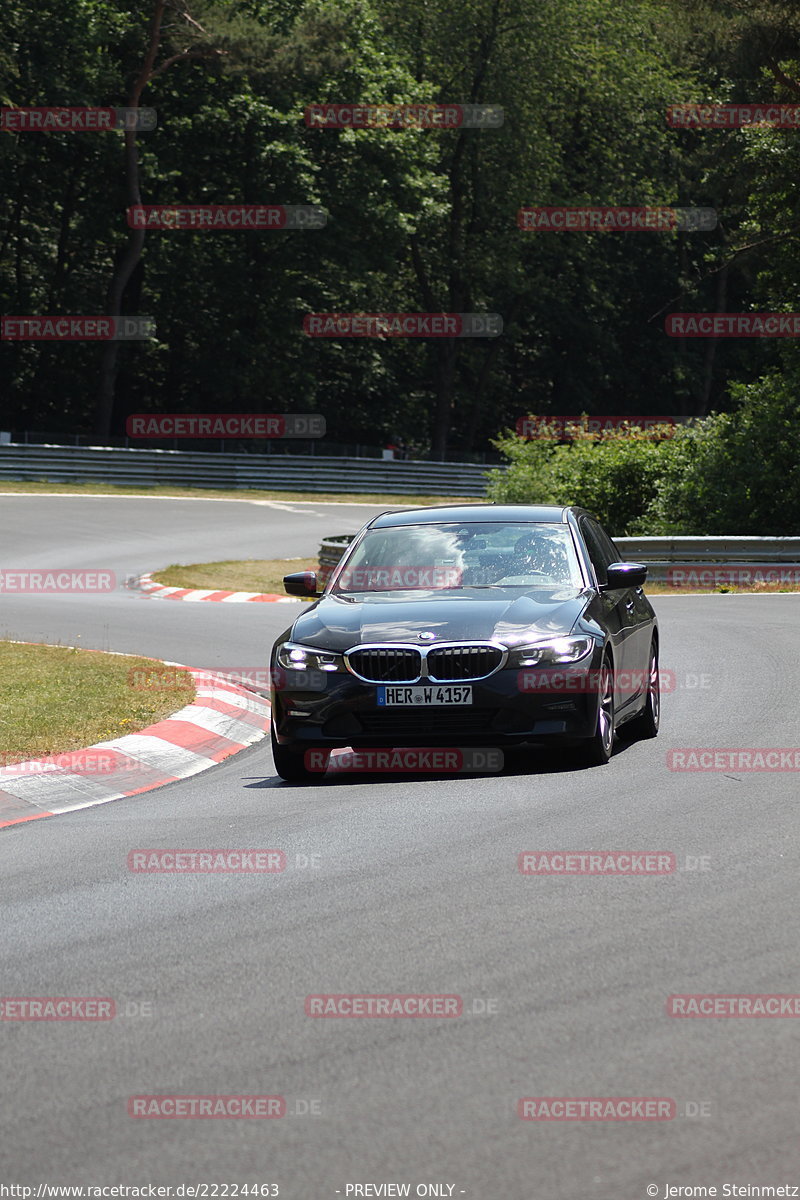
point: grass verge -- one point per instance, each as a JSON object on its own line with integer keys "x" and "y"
{"x": 247, "y": 575}
{"x": 54, "y": 699}
{"x": 183, "y": 493}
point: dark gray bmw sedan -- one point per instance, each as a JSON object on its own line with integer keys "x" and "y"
{"x": 476, "y": 624}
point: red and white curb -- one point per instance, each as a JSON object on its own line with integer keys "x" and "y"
{"x": 223, "y": 719}
{"x": 159, "y": 591}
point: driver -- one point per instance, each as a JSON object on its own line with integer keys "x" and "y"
{"x": 530, "y": 555}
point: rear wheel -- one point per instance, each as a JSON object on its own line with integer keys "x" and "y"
{"x": 291, "y": 764}
{"x": 596, "y": 750}
{"x": 645, "y": 725}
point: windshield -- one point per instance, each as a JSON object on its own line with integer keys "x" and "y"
{"x": 456, "y": 557}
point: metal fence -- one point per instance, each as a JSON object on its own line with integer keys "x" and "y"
{"x": 299, "y": 473}
{"x": 324, "y": 448}
{"x": 711, "y": 549}
{"x": 708, "y": 560}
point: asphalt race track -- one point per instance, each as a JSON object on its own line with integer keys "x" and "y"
{"x": 414, "y": 888}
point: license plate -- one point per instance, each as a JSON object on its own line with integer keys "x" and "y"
{"x": 430, "y": 694}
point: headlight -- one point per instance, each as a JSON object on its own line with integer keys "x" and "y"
{"x": 552, "y": 652}
{"x": 294, "y": 657}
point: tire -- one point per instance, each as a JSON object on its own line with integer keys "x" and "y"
{"x": 290, "y": 764}
{"x": 645, "y": 725}
{"x": 596, "y": 750}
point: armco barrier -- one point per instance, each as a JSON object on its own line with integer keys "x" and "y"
{"x": 279, "y": 472}
{"x": 727, "y": 549}
{"x": 331, "y": 550}
{"x": 660, "y": 553}
{"x": 688, "y": 553}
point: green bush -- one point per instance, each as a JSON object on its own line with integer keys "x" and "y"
{"x": 735, "y": 472}
{"x": 731, "y": 473}
{"x": 615, "y": 477}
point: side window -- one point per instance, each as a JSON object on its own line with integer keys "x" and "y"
{"x": 601, "y": 552}
{"x": 608, "y": 545}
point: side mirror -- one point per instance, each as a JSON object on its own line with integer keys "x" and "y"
{"x": 625, "y": 575}
{"x": 301, "y": 583}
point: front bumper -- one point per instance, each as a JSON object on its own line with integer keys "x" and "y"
{"x": 345, "y": 712}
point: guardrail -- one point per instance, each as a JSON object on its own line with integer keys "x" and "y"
{"x": 331, "y": 550}
{"x": 711, "y": 549}
{"x": 689, "y": 554}
{"x": 710, "y": 560}
{"x": 280, "y": 472}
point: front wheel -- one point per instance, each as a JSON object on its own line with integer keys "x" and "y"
{"x": 291, "y": 764}
{"x": 645, "y": 725}
{"x": 596, "y": 750}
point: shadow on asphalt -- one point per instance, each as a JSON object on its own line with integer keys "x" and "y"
{"x": 516, "y": 762}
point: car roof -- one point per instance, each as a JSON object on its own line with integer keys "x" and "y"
{"x": 542, "y": 514}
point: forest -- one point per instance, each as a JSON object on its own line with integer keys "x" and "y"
{"x": 419, "y": 217}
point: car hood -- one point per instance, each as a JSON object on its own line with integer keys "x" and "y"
{"x": 496, "y": 614}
